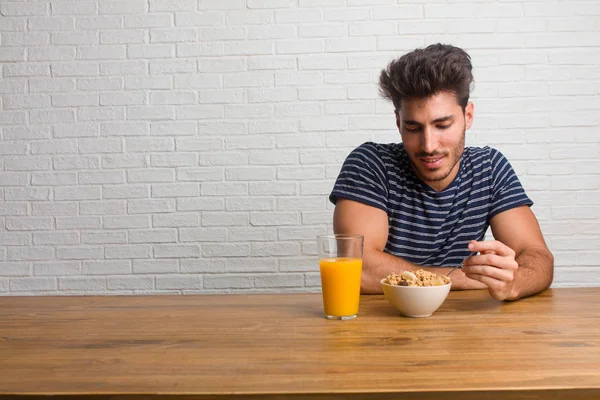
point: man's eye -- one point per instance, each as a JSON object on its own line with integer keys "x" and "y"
{"x": 444, "y": 126}
{"x": 411, "y": 129}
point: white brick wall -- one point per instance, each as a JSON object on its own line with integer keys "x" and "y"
{"x": 188, "y": 146}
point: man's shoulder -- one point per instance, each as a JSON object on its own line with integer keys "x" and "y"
{"x": 378, "y": 151}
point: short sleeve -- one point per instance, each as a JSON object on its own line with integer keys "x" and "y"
{"x": 507, "y": 191}
{"x": 363, "y": 178}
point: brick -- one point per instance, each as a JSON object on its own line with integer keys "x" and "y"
{"x": 153, "y": 236}
{"x": 15, "y": 239}
{"x": 14, "y": 179}
{"x": 104, "y": 207}
{"x": 162, "y": 266}
{"x": 279, "y": 280}
{"x": 56, "y": 268}
{"x": 100, "y": 113}
{"x": 174, "y": 160}
{"x": 200, "y": 49}
{"x": 80, "y": 253}
{"x": 226, "y": 158}
{"x": 123, "y": 129}
{"x": 122, "y": 7}
{"x": 98, "y": 22}
{"x": 223, "y": 189}
{"x": 199, "y": 112}
{"x": 148, "y": 20}
{"x": 203, "y": 235}
{"x": 15, "y": 269}
{"x": 274, "y": 218}
{"x": 78, "y": 222}
{"x": 248, "y": 47}
{"x": 82, "y": 283}
{"x": 120, "y": 98}
{"x": 14, "y": 9}
{"x": 77, "y": 193}
{"x": 150, "y": 51}
{"x": 22, "y": 133}
{"x": 54, "y": 178}
{"x": 36, "y": 284}
{"x": 250, "y": 203}
{"x": 249, "y": 173}
{"x": 120, "y": 68}
{"x": 150, "y": 206}
{"x": 248, "y": 79}
{"x": 252, "y": 234}
{"x": 103, "y": 237}
{"x": 175, "y": 190}
{"x": 201, "y": 204}
{"x": 10, "y": 148}
{"x": 223, "y": 96}
{"x": 57, "y": 208}
{"x": 130, "y": 282}
{"x": 120, "y": 252}
{"x": 302, "y": 203}
{"x": 174, "y": 220}
{"x": 200, "y": 144}
{"x": 197, "y": 81}
{"x": 272, "y": 95}
{"x": 150, "y": 112}
{"x": 113, "y": 267}
{"x": 29, "y": 223}
{"x": 270, "y": 32}
{"x": 219, "y": 5}
{"x": 300, "y": 46}
{"x": 229, "y": 281}
{"x": 181, "y": 281}
{"x": 298, "y": 264}
{"x": 127, "y": 222}
{"x": 204, "y": 18}
{"x": 100, "y": 83}
{"x": 225, "y": 250}
{"x": 149, "y": 144}
{"x": 175, "y": 128}
{"x": 209, "y": 266}
{"x": 128, "y": 191}
{"x": 200, "y": 174}
{"x": 29, "y": 253}
{"x": 173, "y": 97}
{"x": 272, "y": 126}
{"x": 250, "y": 142}
{"x": 171, "y": 5}
{"x": 151, "y": 175}
{"x": 224, "y": 218}
{"x": 176, "y": 250}
{"x": 154, "y": 82}
{"x": 50, "y": 53}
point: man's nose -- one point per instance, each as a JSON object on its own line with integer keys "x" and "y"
{"x": 429, "y": 141}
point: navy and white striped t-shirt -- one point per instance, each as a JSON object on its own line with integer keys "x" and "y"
{"x": 428, "y": 227}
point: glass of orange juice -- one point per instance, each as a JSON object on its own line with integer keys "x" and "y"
{"x": 340, "y": 263}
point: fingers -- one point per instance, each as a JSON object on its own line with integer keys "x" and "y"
{"x": 491, "y": 259}
{"x": 499, "y": 274}
{"x": 497, "y": 289}
{"x": 495, "y": 246}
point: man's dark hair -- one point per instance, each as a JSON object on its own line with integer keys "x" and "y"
{"x": 426, "y": 72}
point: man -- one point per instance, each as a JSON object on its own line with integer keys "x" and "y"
{"x": 427, "y": 202}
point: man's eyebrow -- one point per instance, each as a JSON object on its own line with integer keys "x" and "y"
{"x": 435, "y": 121}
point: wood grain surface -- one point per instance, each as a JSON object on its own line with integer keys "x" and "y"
{"x": 278, "y": 346}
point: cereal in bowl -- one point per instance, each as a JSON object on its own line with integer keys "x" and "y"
{"x": 417, "y": 278}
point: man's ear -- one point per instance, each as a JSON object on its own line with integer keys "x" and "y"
{"x": 469, "y": 110}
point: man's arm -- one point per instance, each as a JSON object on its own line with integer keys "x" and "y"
{"x": 352, "y": 217}
{"x": 517, "y": 263}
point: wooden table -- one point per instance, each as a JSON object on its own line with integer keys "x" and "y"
{"x": 279, "y": 346}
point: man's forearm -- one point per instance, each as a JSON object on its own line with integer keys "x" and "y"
{"x": 535, "y": 273}
{"x": 378, "y": 264}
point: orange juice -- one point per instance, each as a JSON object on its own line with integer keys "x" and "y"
{"x": 340, "y": 282}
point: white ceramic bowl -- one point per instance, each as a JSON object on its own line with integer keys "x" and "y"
{"x": 416, "y": 301}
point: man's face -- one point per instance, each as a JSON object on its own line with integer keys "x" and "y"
{"x": 433, "y": 132}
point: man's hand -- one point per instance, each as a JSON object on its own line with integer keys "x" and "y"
{"x": 495, "y": 266}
